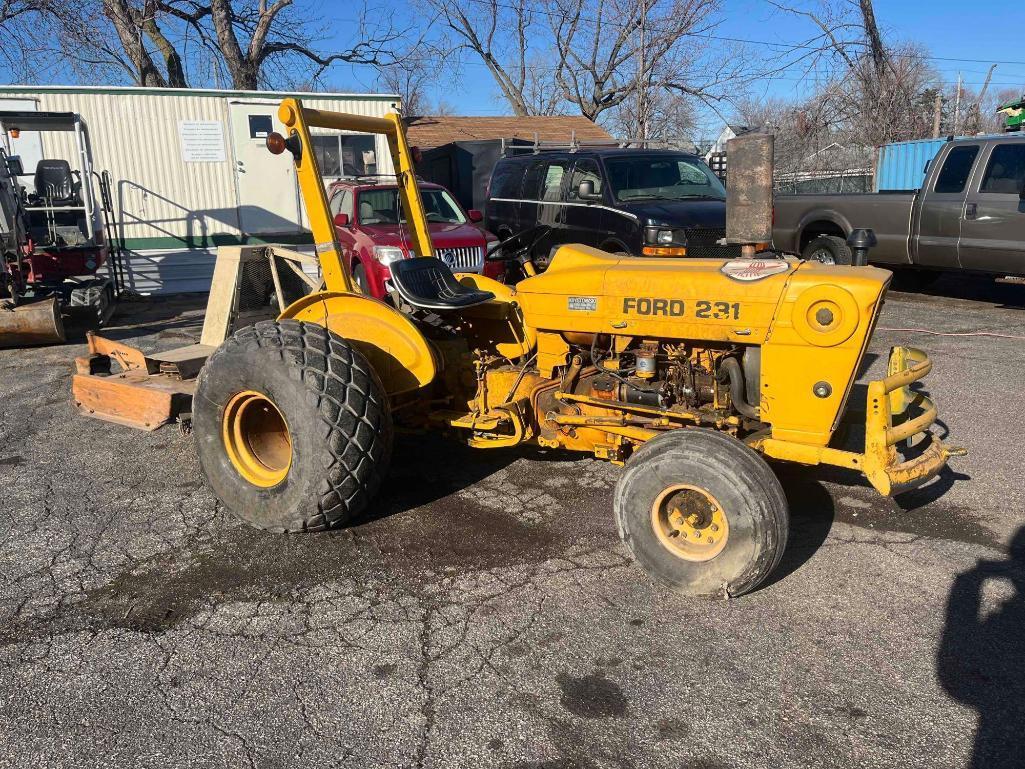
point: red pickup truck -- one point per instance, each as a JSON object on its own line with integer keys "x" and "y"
{"x": 372, "y": 234}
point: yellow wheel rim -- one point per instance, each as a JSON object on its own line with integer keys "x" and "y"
{"x": 690, "y": 523}
{"x": 256, "y": 439}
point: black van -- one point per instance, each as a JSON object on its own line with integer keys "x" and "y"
{"x": 632, "y": 201}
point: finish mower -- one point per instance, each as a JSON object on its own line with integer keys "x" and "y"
{"x": 688, "y": 373}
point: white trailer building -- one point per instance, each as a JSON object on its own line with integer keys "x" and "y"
{"x": 190, "y": 171}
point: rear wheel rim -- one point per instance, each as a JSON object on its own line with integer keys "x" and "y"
{"x": 690, "y": 523}
{"x": 256, "y": 439}
{"x": 823, "y": 255}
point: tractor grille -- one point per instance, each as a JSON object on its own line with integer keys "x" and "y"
{"x": 703, "y": 244}
{"x": 469, "y": 259}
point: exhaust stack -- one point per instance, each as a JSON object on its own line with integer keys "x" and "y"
{"x": 749, "y": 168}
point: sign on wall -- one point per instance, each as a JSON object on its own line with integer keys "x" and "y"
{"x": 202, "y": 141}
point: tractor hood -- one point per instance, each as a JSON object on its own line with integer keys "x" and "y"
{"x": 586, "y": 290}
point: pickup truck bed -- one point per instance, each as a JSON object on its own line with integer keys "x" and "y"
{"x": 969, "y": 214}
{"x": 801, "y": 218}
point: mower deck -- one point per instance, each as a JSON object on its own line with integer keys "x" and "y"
{"x": 147, "y": 392}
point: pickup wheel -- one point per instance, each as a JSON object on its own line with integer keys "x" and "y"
{"x": 828, "y": 249}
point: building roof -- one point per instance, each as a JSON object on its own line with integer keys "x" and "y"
{"x": 435, "y": 131}
{"x": 129, "y": 90}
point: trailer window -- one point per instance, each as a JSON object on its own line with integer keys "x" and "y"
{"x": 956, "y": 169}
{"x": 340, "y": 155}
{"x": 1005, "y": 173}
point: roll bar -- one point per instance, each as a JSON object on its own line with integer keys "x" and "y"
{"x": 298, "y": 120}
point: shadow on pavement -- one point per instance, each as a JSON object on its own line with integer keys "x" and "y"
{"x": 979, "y": 288}
{"x": 811, "y": 518}
{"x": 981, "y": 660}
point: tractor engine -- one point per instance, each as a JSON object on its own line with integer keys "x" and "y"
{"x": 668, "y": 376}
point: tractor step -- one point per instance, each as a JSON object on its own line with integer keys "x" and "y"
{"x": 147, "y": 392}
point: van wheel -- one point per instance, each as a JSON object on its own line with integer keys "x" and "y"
{"x": 702, "y": 513}
{"x": 292, "y": 427}
{"x": 827, "y": 249}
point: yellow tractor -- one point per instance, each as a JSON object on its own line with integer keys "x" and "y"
{"x": 688, "y": 373}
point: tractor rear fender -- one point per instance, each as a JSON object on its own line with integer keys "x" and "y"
{"x": 395, "y": 347}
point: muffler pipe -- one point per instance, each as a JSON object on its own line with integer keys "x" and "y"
{"x": 729, "y": 370}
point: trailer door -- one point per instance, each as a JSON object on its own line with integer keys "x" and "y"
{"x": 268, "y": 194}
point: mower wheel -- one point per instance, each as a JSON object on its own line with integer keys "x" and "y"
{"x": 702, "y": 513}
{"x": 292, "y": 427}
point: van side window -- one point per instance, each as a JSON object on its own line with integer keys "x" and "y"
{"x": 505, "y": 181}
{"x": 552, "y": 187}
{"x": 532, "y": 180}
{"x": 584, "y": 170}
{"x": 1005, "y": 173}
{"x": 956, "y": 169}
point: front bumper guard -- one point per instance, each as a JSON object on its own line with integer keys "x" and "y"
{"x": 894, "y": 414}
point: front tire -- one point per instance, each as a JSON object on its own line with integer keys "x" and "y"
{"x": 828, "y": 249}
{"x": 702, "y": 513}
{"x": 292, "y": 427}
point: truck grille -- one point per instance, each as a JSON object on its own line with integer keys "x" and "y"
{"x": 703, "y": 244}
{"x": 468, "y": 259}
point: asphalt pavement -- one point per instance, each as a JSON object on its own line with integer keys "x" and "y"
{"x": 484, "y": 614}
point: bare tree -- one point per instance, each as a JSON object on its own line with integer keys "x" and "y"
{"x": 590, "y": 56}
{"x": 612, "y": 50}
{"x": 877, "y": 92}
{"x": 159, "y": 42}
{"x": 501, "y": 34}
{"x": 410, "y": 75}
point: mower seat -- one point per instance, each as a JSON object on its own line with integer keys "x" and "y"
{"x": 427, "y": 282}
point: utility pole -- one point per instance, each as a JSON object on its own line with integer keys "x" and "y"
{"x": 642, "y": 77}
{"x": 936, "y": 114}
{"x": 957, "y": 104}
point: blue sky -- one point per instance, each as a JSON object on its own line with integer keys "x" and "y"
{"x": 952, "y": 29}
{"x": 978, "y": 33}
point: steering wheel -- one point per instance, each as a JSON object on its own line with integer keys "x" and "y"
{"x": 518, "y": 247}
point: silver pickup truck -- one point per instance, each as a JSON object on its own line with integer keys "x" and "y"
{"x": 969, "y": 214}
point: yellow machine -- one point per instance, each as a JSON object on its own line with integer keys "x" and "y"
{"x": 689, "y": 373}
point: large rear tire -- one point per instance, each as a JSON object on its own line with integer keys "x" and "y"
{"x": 702, "y": 513}
{"x": 292, "y": 427}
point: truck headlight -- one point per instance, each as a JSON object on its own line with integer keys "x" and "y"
{"x": 388, "y": 254}
{"x": 664, "y": 236}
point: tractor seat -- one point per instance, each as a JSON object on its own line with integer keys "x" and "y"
{"x": 427, "y": 282}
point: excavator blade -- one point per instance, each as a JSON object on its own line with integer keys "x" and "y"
{"x": 32, "y": 324}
